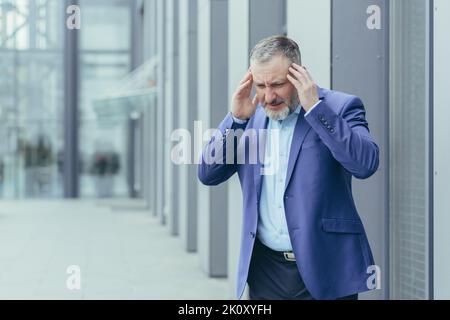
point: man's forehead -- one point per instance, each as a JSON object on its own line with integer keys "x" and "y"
{"x": 262, "y": 77}
{"x": 273, "y": 70}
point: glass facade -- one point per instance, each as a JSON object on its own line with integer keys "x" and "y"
{"x": 31, "y": 98}
{"x": 104, "y": 58}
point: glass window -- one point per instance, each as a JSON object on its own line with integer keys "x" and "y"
{"x": 31, "y": 98}
{"x": 408, "y": 150}
{"x": 104, "y": 56}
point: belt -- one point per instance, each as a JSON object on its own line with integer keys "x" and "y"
{"x": 287, "y": 255}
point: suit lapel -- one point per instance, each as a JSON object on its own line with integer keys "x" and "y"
{"x": 302, "y": 127}
{"x": 261, "y": 121}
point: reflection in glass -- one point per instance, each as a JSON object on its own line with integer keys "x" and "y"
{"x": 104, "y": 59}
{"x": 31, "y": 98}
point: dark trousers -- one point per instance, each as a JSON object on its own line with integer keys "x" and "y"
{"x": 272, "y": 277}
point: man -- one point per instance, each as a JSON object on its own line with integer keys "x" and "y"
{"x": 302, "y": 237}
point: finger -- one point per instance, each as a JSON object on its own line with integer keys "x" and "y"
{"x": 300, "y": 76}
{"x": 296, "y": 66}
{"x": 247, "y": 77}
{"x": 303, "y": 71}
{"x": 297, "y": 84}
{"x": 245, "y": 86}
{"x": 307, "y": 74}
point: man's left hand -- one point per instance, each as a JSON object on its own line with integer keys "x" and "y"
{"x": 305, "y": 85}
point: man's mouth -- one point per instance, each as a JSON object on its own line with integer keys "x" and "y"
{"x": 275, "y": 104}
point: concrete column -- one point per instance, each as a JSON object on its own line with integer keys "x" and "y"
{"x": 212, "y": 108}
{"x": 171, "y": 115}
{"x": 188, "y": 184}
{"x": 238, "y": 58}
{"x": 149, "y": 115}
{"x": 160, "y": 124}
{"x": 150, "y": 29}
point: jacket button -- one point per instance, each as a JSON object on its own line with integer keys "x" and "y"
{"x": 252, "y": 234}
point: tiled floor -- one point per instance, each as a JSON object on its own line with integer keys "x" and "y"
{"x": 122, "y": 254}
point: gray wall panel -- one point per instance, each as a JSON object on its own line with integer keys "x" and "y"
{"x": 267, "y": 18}
{"x": 238, "y": 50}
{"x": 212, "y": 107}
{"x": 441, "y": 150}
{"x": 360, "y": 67}
{"x": 188, "y": 114}
{"x": 160, "y": 182}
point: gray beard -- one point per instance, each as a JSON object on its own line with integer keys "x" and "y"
{"x": 278, "y": 115}
{"x": 281, "y": 114}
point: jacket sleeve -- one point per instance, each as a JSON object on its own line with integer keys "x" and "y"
{"x": 347, "y": 136}
{"x": 215, "y": 166}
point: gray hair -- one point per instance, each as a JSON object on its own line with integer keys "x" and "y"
{"x": 272, "y": 46}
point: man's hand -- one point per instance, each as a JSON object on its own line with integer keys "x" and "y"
{"x": 241, "y": 106}
{"x": 305, "y": 85}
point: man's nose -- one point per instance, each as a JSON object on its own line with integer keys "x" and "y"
{"x": 270, "y": 95}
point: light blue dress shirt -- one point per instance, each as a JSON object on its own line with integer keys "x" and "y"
{"x": 272, "y": 226}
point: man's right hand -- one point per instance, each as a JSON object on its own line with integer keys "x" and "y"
{"x": 242, "y": 107}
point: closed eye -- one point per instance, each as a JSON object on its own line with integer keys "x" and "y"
{"x": 274, "y": 85}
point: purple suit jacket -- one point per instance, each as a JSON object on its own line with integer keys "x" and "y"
{"x": 329, "y": 146}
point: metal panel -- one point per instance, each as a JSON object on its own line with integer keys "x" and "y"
{"x": 187, "y": 197}
{"x": 160, "y": 7}
{"x": 219, "y": 107}
{"x": 267, "y": 18}
{"x": 192, "y": 113}
{"x": 238, "y": 52}
{"x": 136, "y": 35}
{"x": 171, "y": 115}
{"x": 302, "y": 17}
{"x": 441, "y": 150}
{"x": 149, "y": 114}
{"x": 212, "y": 79}
{"x": 360, "y": 67}
{"x": 71, "y": 163}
